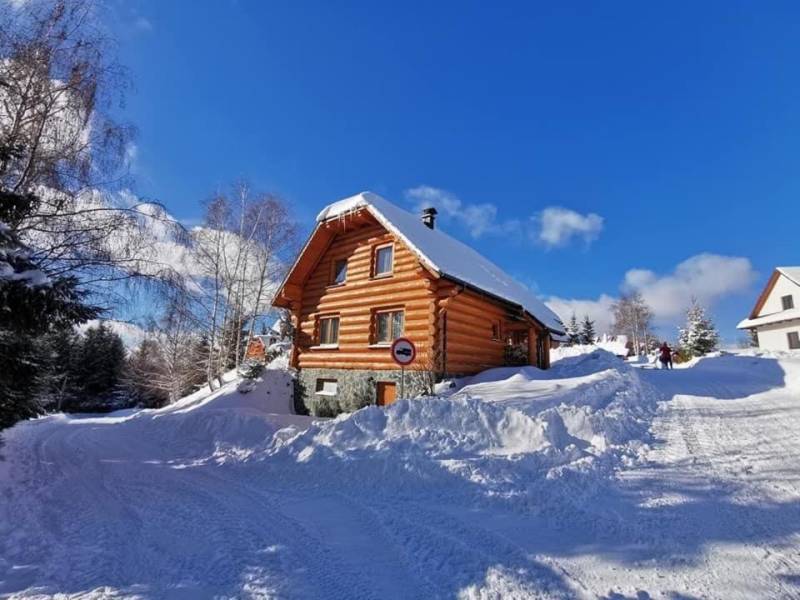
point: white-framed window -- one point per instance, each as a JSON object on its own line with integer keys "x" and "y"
{"x": 383, "y": 260}
{"x": 794, "y": 340}
{"x": 787, "y": 302}
{"x": 329, "y": 330}
{"x": 339, "y": 271}
{"x": 326, "y": 387}
{"x": 388, "y": 325}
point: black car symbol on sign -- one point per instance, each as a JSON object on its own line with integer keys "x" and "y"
{"x": 403, "y": 351}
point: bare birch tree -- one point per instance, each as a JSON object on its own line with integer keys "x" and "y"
{"x": 633, "y": 318}
{"x": 59, "y": 84}
{"x": 242, "y": 249}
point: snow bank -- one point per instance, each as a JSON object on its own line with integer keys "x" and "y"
{"x": 502, "y": 433}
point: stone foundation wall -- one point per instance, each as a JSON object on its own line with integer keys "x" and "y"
{"x": 356, "y": 389}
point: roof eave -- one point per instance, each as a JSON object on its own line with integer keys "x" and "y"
{"x": 516, "y": 305}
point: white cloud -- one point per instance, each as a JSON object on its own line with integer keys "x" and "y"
{"x": 599, "y": 310}
{"x": 477, "y": 218}
{"x": 707, "y": 277}
{"x": 555, "y": 226}
{"x": 143, "y": 24}
{"x": 558, "y": 226}
{"x": 132, "y": 335}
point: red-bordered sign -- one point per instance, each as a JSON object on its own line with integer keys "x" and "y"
{"x": 403, "y": 351}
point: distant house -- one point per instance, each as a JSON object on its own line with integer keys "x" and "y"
{"x": 259, "y": 344}
{"x": 370, "y": 273}
{"x": 776, "y": 316}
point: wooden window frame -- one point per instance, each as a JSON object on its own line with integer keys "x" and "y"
{"x": 793, "y": 335}
{"x": 374, "y": 341}
{"x": 784, "y": 303}
{"x": 374, "y": 271}
{"x": 332, "y": 276}
{"x": 496, "y": 325}
{"x": 318, "y": 331}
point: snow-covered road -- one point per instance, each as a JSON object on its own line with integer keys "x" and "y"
{"x": 714, "y": 511}
{"x": 145, "y": 505}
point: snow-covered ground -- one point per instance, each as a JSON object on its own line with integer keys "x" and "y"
{"x": 591, "y": 480}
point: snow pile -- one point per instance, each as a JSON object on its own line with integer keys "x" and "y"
{"x": 600, "y": 398}
{"x": 502, "y": 433}
{"x": 515, "y": 483}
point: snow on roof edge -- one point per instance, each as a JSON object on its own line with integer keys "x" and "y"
{"x": 770, "y": 319}
{"x": 792, "y": 273}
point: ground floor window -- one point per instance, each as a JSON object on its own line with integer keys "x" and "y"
{"x": 794, "y": 340}
{"x": 328, "y": 331}
{"x": 327, "y": 387}
{"x": 388, "y": 326}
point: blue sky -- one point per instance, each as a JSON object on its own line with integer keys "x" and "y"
{"x": 584, "y": 147}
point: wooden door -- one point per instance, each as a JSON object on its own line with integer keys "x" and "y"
{"x": 387, "y": 393}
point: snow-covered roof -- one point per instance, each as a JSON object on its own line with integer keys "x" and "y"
{"x": 776, "y": 317}
{"x": 445, "y": 255}
{"x": 792, "y": 273}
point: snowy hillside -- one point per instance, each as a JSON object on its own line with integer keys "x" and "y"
{"x": 593, "y": 479}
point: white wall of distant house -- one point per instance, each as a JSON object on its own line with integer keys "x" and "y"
{"x": 783, "y": 287}
{"x": 775, "y": 336}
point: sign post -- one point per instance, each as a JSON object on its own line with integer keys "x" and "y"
{"x": 403, "y": 352}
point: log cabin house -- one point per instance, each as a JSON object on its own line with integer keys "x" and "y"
{"x": 371, "y": 272}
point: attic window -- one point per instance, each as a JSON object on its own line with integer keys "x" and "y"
{"x": 788, "y": 302}
{"x": 339, "y": 273}
{"x": 384, "y": 256}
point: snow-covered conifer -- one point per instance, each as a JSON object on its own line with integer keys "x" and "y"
{"x": 588, "y": 335}
{"x": 573, "y": 331}
{"x": 699, "y": 336}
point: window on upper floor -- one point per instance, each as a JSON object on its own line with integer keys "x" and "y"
{"x": 787, "y": 302}
{"x": 388, "y": 326}
{"x": 794, "y": 340}
{"x": 383, "y": 263}
{"x": 339, "y": 271}
{"x": 329, "y": 331}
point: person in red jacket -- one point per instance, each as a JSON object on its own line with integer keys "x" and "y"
{"x": 665, "y": 356}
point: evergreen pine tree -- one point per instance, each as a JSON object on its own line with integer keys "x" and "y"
{"x": 59, "y": 379}
{"x": 100, "y": 368}
{"x": 699, "y": 336}
{"x": 588, "y": 334}
{"x": 573, "y": 331}
{"x": 33, "y": 304}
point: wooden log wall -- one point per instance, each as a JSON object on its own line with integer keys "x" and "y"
{"x": 465, "y": 330}
{"x": 408, "y": 288}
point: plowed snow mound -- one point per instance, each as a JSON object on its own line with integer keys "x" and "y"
{"x": 510, "y": 430}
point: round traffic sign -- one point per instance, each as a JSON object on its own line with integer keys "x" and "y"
{"x": 403, "y": 351}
